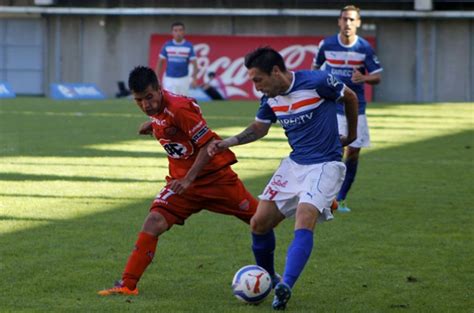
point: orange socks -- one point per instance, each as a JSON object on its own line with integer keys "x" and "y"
{"x": 140, "y": 258}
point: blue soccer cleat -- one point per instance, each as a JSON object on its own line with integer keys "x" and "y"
{"x": 343, "y": 207}
{"x": 282, "y": 296}
{"x": 276, "y": 279}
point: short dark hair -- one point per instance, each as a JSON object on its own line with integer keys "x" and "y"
{"x": 177, "y": 24}
{"x": 265, "y": 59}
{"x": 141, "y": 77}
{"x": 350, "y": 8}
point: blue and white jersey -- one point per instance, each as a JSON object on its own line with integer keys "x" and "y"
{"x": 178, "y": 56}
{"x": 341, "y": 60}
{"x": 307, "y": 112}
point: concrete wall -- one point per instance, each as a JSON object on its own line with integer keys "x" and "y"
{"x": 423, "y": 60}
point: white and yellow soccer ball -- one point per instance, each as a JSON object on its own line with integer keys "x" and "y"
{"x": 251, "y": 284}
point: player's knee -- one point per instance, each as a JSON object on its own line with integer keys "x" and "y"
{"x": 155, "y": 224}
{"x": 259, "y": 226}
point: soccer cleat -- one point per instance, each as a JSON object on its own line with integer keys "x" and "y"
{"x": 334, "y": 205}
{"x": 118, "y": 289}
{"x": 275, "y": 280}
{"x": 282, "y": 296}
{"x": 343, "y": 207}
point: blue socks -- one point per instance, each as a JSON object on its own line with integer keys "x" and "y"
{"x": 297, "y": 256}
{"x": 351, "y": 170}
{"x": 263, "y": 247}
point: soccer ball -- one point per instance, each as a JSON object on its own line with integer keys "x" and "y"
{"x": 251, "y": 284}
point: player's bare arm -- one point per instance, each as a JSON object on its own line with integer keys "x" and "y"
{"x": 351, "y": 108}
{"x": 253, "y": 132}
{"x": 159, "y": 67}
{"x": 372, "y": 79}
{"x": 202, "y": 158}
{"x": 145, "y": 128}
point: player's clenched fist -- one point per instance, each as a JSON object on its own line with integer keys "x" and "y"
{"x": 357, "y": 77}
{"x": 145, "y": 128}
{"x": 217, "y": 146}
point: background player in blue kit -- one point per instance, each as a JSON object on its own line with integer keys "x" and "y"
{"x": 178, "y": 54}
{"x": 307, "y": 181}
{"x": 351, "y": 59}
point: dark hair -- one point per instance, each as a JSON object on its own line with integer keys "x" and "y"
{"x": 141, "y": 77}
{"x": 177, "y": 24}
{"x": 211, "y": 74}
{"x": 350, "y": 8}
{"x": 265, "y": 59}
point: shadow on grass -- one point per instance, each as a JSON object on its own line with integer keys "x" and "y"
{"x": 65, "y": 262}
{"x": 404, "y": 215}
{"x": 42, "y": 177}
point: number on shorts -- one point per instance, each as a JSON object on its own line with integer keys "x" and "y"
{"x": 272, "y": 192}
{"x": 165, "y": 193}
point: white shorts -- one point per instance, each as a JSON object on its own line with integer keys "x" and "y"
{"x": 316, "y": 184}
{"x": 363, "y": 136}
{"x": 177, "y": 85}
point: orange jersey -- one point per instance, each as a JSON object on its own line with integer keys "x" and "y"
{"x": 182, "y": 131}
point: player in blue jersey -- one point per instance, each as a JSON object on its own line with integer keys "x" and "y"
{"x": 351, "y": 59}
{"x": 306, "y": 182}
{"x": 178, "y": 54}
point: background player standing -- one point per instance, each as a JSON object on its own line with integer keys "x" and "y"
{"x": 351, "y": 59}
{"x": 307, "y": 181}
{"x": 195, "y": 182}
{"x": 178, "y": 53}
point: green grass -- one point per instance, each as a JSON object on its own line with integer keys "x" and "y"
{"x": 76, "y": 183}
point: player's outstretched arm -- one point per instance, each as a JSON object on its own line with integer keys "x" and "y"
{"x": 351, "y": 108}
{"x": 253, "y": 132}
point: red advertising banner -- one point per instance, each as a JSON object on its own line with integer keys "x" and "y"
{"x": 224, "y": 55}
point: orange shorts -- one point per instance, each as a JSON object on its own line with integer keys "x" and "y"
{"x": 221, "y": 192}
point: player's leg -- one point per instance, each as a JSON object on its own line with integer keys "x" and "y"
{"x": 262, "y": 223}
{"x": 298, "y": 253}
{"x": 142, "y": 255}
{"x": 155, "y": 224}
{"x": 167, "y": 209}
{"x": 351, "y": 161}
{"x": 319, "y": 186}
{"x": 352, "y": 156}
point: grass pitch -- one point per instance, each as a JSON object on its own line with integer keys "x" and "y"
{"x": 76, "y": 183}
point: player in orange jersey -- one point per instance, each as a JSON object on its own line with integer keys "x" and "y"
{"x": 195, "y": 182}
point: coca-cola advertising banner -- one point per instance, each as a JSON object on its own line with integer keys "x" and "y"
{"x": 224, "y": 55}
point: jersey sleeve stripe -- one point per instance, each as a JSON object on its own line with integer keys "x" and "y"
{"x": 377, "y": 71}
{"x": 263, "y": 121}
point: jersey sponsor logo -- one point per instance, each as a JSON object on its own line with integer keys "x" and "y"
{"x": 278, "y": 181}
{"x": 159, "y": 122}
{"x": 341, "y": 72}
{"x": 177, "y": 150}
{"x": 297, "y": 120}
{"x": 201, "y": 133}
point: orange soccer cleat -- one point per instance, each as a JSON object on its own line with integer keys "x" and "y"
{"x": 334, "y": 205}
{"x": 118, "y": 289}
